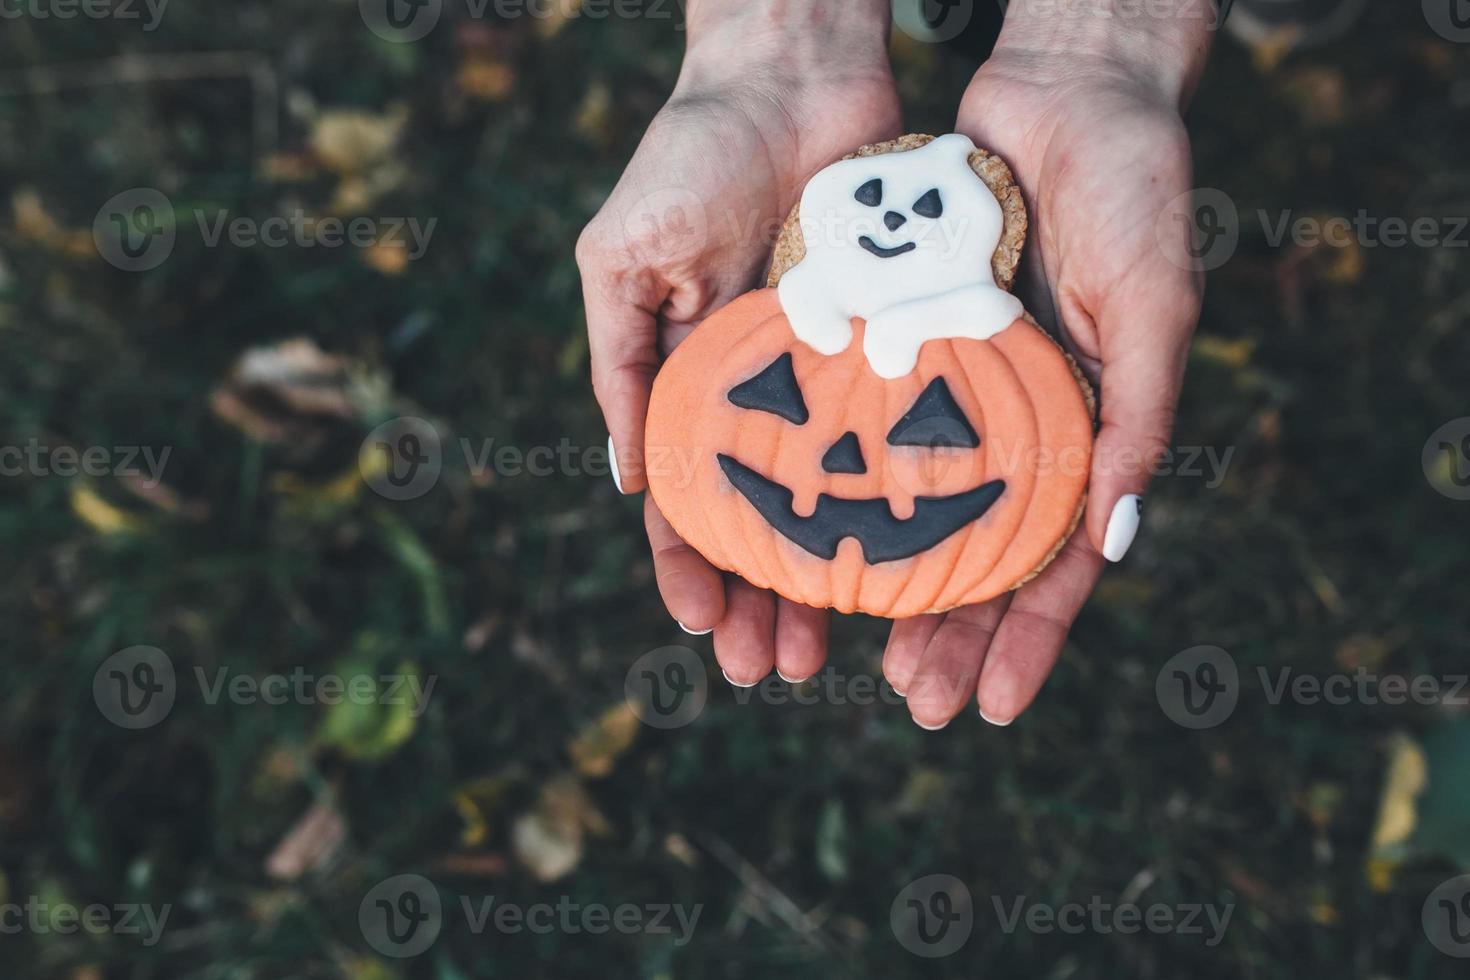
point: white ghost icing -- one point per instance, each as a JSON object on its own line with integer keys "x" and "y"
{"x": 941, "y": 287}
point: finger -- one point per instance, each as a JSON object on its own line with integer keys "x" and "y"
{"x": 693, "y": 590}
{"x": 1031, "y": 634}
{"x": 949, "y": 669}
{"x": 622, "y": 336}
{"x": 1144, "y": 339}
{"x": 906, "y": 642}
{"x": 745, "y": 638}
{"x": 801, "y": 640}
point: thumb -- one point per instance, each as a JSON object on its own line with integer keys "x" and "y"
{"x": 622, "y": 339}
{"x": 1144, "y": 342}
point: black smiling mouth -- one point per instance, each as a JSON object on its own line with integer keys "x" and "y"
{"x": 873, "y": 248}
{"x": 883, "y": 537}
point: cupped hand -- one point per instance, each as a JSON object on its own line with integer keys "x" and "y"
{"x": 1100, "y": 152}
{"x": 688, "y": 228}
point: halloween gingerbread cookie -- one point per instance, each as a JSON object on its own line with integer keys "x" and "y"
{"x": 883, "y": 429}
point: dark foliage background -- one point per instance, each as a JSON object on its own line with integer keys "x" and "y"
{"x": 1326, "y": 548}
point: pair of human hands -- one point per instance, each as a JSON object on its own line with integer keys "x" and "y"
{"x": 1087, "y": 119}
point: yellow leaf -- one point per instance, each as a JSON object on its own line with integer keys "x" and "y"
{"x": 1398, "y": 811}
{"x": 348, "y": 141}
{"x": 99, "y": 514}
{"x": 1234, "y": 354}
{"x": 598, "y": 746}
{"x": 388, "y": 257}
{"x": 482, "y": 77}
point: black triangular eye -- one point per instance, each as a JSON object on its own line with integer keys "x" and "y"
{"x": 930, "y": 205}
{"x": 774, "y": 390}
{"x": 870, "y": 193}
{"x": 935, "y": 420}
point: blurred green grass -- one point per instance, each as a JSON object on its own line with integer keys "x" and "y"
{"x": 528, "y": 598}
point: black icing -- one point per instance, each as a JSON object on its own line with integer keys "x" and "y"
{"x": 870, "y": 193}
{"x": 774, "y": 390}
{"x": 893, "y": 220}
{"x": 845, "y": 456}
{"x": 874, "y": 248}
{"x": 882, "y": 536}
{"x": 934, "y": 420}
{"x": 930, "y": 205}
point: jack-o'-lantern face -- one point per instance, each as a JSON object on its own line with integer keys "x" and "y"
{"x": 811, "y": 475}
{"x": 934, "y": 422}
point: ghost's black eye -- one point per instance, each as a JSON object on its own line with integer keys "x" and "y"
{"x": 930, "y": 205}
{"x": 935, "y": 420}
{"x": 870, "y": 193}
{"x": 774, "y": 390}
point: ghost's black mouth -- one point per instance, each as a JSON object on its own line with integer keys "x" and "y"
{"x": 883, "y": 537}
{"x": 873, "y": 248}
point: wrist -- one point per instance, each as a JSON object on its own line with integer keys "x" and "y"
{"x": 1160, "y": 44}
{"x": 790, "y": 42}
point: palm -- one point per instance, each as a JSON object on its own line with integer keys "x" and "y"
{"x": 1098, "y": 158}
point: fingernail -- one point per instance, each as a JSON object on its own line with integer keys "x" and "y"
{"x": 694, "y": 632}
{"x": 935, "y": 728}
{"x": 1122, "y": 526}
{"x": 612, "y": 463}
{"x": 735, "y": 683}
{"x": 997, "y": 724}
{"x": 790, "y": 680}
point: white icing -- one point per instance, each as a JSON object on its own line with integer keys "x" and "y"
{"x": 942, "y": 288}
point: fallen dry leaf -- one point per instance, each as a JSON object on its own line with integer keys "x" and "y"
{"x": 549, "y": 840}
{"x": 597, "y": 747}
{"x": 309, "y": 845}
{"x": 350, "y": 141}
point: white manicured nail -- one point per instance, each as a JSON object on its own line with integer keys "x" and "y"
{"x": 997, "y": 724}
{"x": 927, "y": 728}
{"x": 1122, "y": 526}
{"x": 735, "y": 683}
{"x": 789, "y": 680}
{"x": 694, "y": 632}
{"x": 612, "y": 462}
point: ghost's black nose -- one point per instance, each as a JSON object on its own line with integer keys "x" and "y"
{"x": 894, "y": 220}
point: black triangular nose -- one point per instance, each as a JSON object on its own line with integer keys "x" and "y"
{"x": 845, "y": 456}
{"x": 894, "y": 220}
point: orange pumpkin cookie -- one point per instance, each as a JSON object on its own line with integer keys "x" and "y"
{"x": 885, "y": 431}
